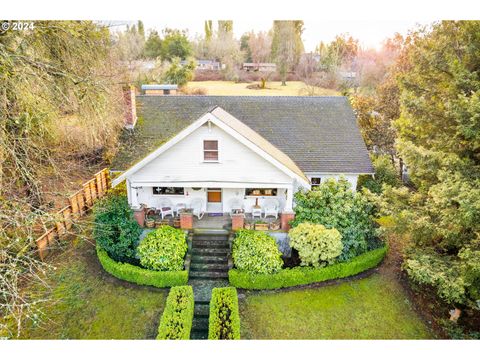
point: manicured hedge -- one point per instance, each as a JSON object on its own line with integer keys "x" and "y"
{"x": 306, "y": 275}
{"x": 256, "y": 252}
{"x": 139, "y": 275}
{"x": 224, "y": 320}
{"x": 177, "y": 318}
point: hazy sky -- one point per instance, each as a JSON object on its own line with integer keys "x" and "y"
{"x": 370, "y": 33}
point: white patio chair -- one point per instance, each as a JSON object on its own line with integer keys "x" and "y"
{"x": 166, "y": 208}
{"x": 270, "y": 208}
{"x": 197, "y": 208}
{"x": 256, "y": 211}
{"x": 236, "y": 205}
{"x": 179, "y": 207}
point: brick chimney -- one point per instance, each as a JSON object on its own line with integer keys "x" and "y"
{"x": 130, "y": 106}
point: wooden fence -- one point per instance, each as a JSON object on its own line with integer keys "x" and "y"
{"x": 79, "y": 203}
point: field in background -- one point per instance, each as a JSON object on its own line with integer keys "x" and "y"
{"x": 274, "y": 88}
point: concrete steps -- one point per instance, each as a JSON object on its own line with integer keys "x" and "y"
{"x": 208, "y": 269}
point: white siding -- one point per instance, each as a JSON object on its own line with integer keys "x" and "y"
{"x": 184, "y": 162}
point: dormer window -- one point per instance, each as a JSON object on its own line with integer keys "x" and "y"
{"x": 210, "y": 150}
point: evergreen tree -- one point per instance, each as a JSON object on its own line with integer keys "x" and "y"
{"x": 439, "y": 139}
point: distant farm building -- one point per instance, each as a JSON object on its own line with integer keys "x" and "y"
{"x": 206, "y": 64}
{"x": 270, "y": 67}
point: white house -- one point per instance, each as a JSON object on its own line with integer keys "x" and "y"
{"x": 221, "y": 151}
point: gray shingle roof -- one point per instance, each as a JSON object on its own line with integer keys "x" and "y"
{"x": 319, "y": 134}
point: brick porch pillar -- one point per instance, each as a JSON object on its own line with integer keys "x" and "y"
{"x": 238, "y": 221}
{"x": 186, "y": 221}
{"x": 139, "y": 215}
{"x": 285, "y": 218}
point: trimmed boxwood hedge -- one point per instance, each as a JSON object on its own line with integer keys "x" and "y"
{"x": 306, "y": 275}
{"x": 140, "y": 276}
{"x": 177, "y": 318}
{"x": 224, "y": 320}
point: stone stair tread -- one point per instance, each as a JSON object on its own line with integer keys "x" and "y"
{"x": 197, "y": 251}
{"x": 200, "y": 324}
{"x": 207, "y": 231}
{"x": 202, "y": 310}
{"x": 209, "y": 245}
{"x": 208, "y": 259}
{"x": 206, "y": 266}
{"x": 208, "y": 274}
{"x": 199, "y": 335}
{"x": 210, "y": 238}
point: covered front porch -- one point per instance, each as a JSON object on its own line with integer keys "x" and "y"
{"x": 267, "y": 206}
{"x": 214, "y": 197}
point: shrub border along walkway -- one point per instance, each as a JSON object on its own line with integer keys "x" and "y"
{"x": 177, "y": 318}
{"x": 305, "y": 275}
{"x": 140, "y": 276}
{"x": 224, "y": 319}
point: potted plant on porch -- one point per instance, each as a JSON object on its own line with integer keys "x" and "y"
{"x": 275, "y": 225}
{"x": 176, "y": 222}
{"x": 248, "y": 225}
{"x": 150, "y": 222}
{"x": 261, "y": 225}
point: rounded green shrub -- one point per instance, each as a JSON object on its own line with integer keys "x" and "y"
{"x": 163, "y": 249}
{"x": 333, "y": 204}
{"x": 115, "y": 229}
{"x": 256, "y": 252}
{"x": 316, "y": 245}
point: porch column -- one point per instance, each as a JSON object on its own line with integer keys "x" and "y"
{"x": 133, "y": 196}
{"x": 287, "y": 213}
{"x": 289, "y": 200}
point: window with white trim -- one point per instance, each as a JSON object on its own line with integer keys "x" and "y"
{"x": 210, "y": 150}
{"x": 315, "y": 181}
{"x": 261, "y": 192}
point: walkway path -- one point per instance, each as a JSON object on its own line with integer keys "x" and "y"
{"x": 208, "y": 269}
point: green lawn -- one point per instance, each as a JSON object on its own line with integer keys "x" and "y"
{"x": 371, "y": 308}
{"x": 87, "y": 303}
{"x": 274, "y": 88}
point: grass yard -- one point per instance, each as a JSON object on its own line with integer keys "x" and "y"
{"x": 87, "y": 303}
{"x": 231, "y": 88}
{"x": 369, "y": 308}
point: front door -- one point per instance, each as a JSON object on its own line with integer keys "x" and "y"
{"x": 214, "y": 199}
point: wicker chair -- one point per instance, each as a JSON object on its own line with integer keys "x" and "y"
{"x": 270, "y": 208}
{"x": 197, "y": 208}
{"x": 166, "y": 208}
